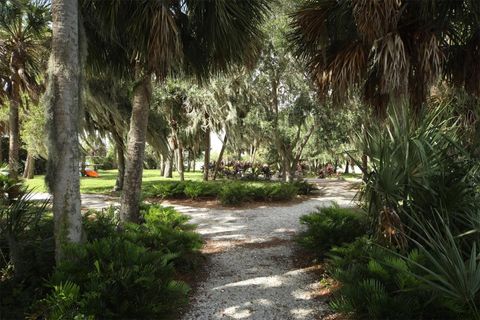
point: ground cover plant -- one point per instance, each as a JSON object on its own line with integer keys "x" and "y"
{"x": 416, "y": 256}
{"x": 229, "y": 192}
{"x": 331, "y": 226}
{"x": 115, "y": 273}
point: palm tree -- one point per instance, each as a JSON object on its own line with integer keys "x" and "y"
{"x": 63, "y": 100}
{"x": 388, "y": 49}
{"x": 23, "y": 48}
{"x": 156, "y": 38}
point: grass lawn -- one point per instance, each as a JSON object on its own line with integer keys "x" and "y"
{"x": 104, "y": 184}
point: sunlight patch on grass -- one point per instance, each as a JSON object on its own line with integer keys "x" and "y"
{"x": 105, "y": 182}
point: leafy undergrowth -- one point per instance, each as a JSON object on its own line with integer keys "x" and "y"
{"x": 229, "y": 192}
{"x": 131, "y": 271}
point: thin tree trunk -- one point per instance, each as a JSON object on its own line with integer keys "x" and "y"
{"x": 29, "y": 171}
{"x": 206, "y": 161}
{"x": 162, "y": 165}
{"x": 14, "y": 134}
{"x": 189, "y": 161}
{"x": 130, "y": 200}
{"x": 15, "y": 255}
{"x": 168, "y": 171}
{"x": 365, "y": 166}
{"x": 180, "y": 167}
{"x": 120, "y": 147}
{"x": 346, "y": 167}
{"x": 63, "y": 112}
{"x": 220, "y": 156}
{"x": 1, "y": 147}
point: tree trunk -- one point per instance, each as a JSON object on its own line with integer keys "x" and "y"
{"x": 291, "y": 169}
{"x": 347, "y": 167}
{"x": 162, "y": 165}
{"x": 180, "y": 167}
{"x": 15, "y": 255}
{"x": 365, "y": 166}
{"x": 220, "y": 156}
{"x": 130, "y": 200}
{"x": 206, "y": 161}
{"x": 14, "y": 134}
{"x": 29, "y": 171}
{"x": 63, "y": 113}
{"x": 189, "y": 161}
{"x": 119, "y": 145}
{"x": 168, "y": 171}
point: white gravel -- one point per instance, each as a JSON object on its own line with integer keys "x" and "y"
{"x": 251, "y": 274}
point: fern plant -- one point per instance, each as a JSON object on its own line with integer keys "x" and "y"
{"x": 378, "y": 284}
{"x": 119, "y": 279}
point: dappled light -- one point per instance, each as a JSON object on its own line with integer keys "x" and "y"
{"x": 240, "y": 159}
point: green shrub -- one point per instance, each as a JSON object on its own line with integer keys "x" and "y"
{"x": 26, "y": 248}
{"x": 63, "y": 302}
{"x": 119, "y": 273}
{"x": 304, "y": 187}
{"x": 167, "y": 231}
{"x": 280, "y": 191}
{"x": 378, "y": 284}
{"x": 120, "y": 279}
{"x": 417, "y": 166}
{"x": 99, "y": 224}
{"x": 331, "y": 226}
{"x": 194, "y": 189}
{"x": 233, "y": 194}
{"x": 170, "y": 189}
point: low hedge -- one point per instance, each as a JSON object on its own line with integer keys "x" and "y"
{"x": 230, "y": 192}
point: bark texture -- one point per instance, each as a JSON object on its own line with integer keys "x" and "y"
{"x": 220, "y": 156}
{"x": 168, "y": 170}
{"x": 180, "y": 166}
{"x": 130, "y": 200}
{"x": 206, "y": 161}
{"x": 14, "y": 134}
{"x": 63, "y": 112}
{"x": 29, "y": 171}
{"x": 120, "y": 147}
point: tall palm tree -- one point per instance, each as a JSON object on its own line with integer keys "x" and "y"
{"x": 156, "y": 38}
{"x": 23, "y": 51}
{"x": 63, "y": 100}
{"x": 388, "y": 49}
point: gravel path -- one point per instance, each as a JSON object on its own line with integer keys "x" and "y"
{"x": 251, "y": 272}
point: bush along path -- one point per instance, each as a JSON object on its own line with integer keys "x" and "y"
{"x": 250, "y": 265}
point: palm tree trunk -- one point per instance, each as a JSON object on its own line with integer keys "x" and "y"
{"x": 14, "y": 134}
{"x": 29, "y": 171}
{"x": 120, "y": 147}
{"x": 206, "y": 160}
{"x": 220, "y": 156}
{"x": 130, "y": 200}
{"x": 63, "y": 112}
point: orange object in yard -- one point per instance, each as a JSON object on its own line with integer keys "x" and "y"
{"x": 91, "y": 173}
